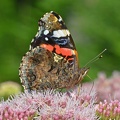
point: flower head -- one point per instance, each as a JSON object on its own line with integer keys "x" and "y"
{"x": 17, "y": 108}
{"x": 108, "y": 88}
{"x": 108, "y": 110}
{"x": 50, "y": 105}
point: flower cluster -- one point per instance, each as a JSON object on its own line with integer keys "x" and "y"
{"x": 16, "y": 109}
{"x": 108, "y": 88}
{"x": 77, "y": 104}
{"x": 108, "y": 96}
{"x": 50, "y": 105}
{"x": 108, "y": 110}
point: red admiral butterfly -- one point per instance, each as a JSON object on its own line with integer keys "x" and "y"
{"x": 52, "y": 60}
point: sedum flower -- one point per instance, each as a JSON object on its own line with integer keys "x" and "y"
{"x": 50, "y": 105}
{"x": 108, "y": 110}
{"x": 108, "y": 88}
{"x": 16, "y": 109}
{"x": 68, "y": 106}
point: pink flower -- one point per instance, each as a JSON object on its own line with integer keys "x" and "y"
{"x": 108, "y": 110}
{"x": 16, "y": 109}
{"x": 50, "y": 105}
{"x": 106, "y": 88}
{"x": 108, "y": 96}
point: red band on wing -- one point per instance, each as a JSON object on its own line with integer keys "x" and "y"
{"x": 64, "y": 51}
{"x": 48, "y": 47}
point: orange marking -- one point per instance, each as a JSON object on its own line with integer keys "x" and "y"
{"x": 48, "y": 47}
{"x": 58, "y": 49}
{"x": 76, "y": 54}
{"x": 64, "y": 51}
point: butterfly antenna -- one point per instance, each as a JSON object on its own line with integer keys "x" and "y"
{"x": 96, "y": 58}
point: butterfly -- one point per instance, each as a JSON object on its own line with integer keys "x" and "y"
{"x": 52, "y": 59}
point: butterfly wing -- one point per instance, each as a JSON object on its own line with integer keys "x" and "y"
{"x": 52, "y": 60}
{"x": 54, "y": 36}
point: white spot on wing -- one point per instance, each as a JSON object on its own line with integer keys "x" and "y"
{"x": 46, "y": 32}
{"x": 60, "y": 19}
{"x": 61, "y": 33}
{"x": 37, "y": 34}
{"x": 32, "y": 40}
{"x": 56, "y": 34}
{"x": 68, "y": 33}
{"x": 30, "y": 47}
{"x": 46, "y": 38}
{"x": 38, "y": 28}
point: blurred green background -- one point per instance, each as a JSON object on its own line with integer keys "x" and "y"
{"x": 94, "y": 25}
